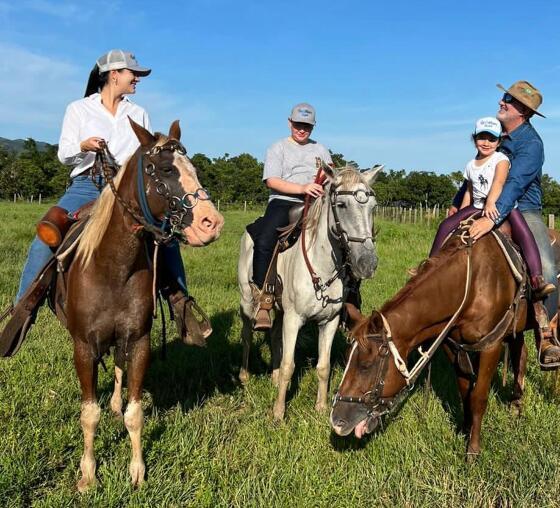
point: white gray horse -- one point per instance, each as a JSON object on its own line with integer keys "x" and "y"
{"x": 339, "y": 236}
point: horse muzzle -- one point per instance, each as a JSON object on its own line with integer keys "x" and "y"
{"x": 205, "y": 228}
{"x": 365, "y": 266}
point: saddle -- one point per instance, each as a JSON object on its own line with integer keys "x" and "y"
{"x": 287, "y": 237}
{"x": 61, "y": 232}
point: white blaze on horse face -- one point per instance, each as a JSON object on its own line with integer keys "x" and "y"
{"x": 348, "y": 363}
{"x": 207, "y": 222}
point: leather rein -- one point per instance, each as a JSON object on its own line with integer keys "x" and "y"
{"x": 338, "y": 233}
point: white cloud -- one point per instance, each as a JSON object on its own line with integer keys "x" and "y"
{"x": 35, "y": 90}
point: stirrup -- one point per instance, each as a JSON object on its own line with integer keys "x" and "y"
{"x": 197, "y": 323}
{"x": 550, "y": 365}
{"x": 192, "y": 323}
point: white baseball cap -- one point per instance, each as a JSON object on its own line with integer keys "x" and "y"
{"x": 488, "y": 124}
{"x": 117, "y": 59}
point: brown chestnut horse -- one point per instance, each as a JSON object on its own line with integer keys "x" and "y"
{"x": 109, "y": 284}
{"x": 374, "y": 382}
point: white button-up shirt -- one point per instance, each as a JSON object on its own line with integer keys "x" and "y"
{"x": 87, "y": 117}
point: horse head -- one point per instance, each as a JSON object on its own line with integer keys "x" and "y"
{"x": 173, "y": 192}
{"x": 371, "y": 380}
{"x": 352, "y": 202}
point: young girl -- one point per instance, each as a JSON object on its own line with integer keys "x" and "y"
{"x": 486, "y": 175}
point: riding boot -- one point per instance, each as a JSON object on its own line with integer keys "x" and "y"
{"x": 192, "y": 323}
{"x": 540, "y": 288}
{"x": 263, "y": 302}
{"x": 549, "y": 348}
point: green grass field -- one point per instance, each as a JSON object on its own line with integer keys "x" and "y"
{"x": 210, "y": 442}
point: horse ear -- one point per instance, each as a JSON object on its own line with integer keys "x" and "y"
{"x": 371, "y": 174}
{"x": 375, "y": 322}
{"x": 354, "y": 314}
{"x": 175, "y": 131}
{"x": 329, "y": 171}
{"x": 144, "y": 136}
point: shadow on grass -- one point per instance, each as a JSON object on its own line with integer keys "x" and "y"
{"x": 190, "y": 374}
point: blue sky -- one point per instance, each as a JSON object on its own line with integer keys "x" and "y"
{"x": 399, "y": 83}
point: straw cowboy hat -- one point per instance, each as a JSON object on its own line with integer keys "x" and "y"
{"x": 526, "y": 94}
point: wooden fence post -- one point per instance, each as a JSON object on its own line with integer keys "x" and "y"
{"x": 551, "y": 220}
{"x": 218, "y": 205}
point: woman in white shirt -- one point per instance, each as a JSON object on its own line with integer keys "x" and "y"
{"x": 102, "y": 115}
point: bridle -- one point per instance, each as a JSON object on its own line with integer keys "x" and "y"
{"x": 179, "y": 208}
{"x": 362, "y": 197}
{"x": 376, "y": 405}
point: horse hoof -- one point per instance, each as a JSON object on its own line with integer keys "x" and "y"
{"x": 137, "y": 471}
{"x": 472, "y": 457}
{"x": 321, "y": 407}
{"x": 244, "y": 376}
{"x": 278, "y": 414}
{"x": 516, "y": 409}
{"x": 117, "y": 416}
{"x": 85, "y": 484}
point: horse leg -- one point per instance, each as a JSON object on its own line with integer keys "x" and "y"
{"x": 488, "y": 363}
{"x": 86, "y": 368}
{"x": 326, "y": 336}
{"x": 247, "y": 339}
{"x": 464, "y": 384}
{"x": 290, "y": 328}
{"x": 139, "y": 358}
{"x": 518, "y": 351}
{"x": 276, "y": 346}
{"x": 116, "y": 398}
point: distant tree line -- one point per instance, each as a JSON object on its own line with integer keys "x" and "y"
{"x": 235, "y": 179}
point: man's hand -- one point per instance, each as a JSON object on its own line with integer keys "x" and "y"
{"x": 480, "y": 227}
{"x": 313, "y": 189}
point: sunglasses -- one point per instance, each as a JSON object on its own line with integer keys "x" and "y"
{"x": 508, "y": 98}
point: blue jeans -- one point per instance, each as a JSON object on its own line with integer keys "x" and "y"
{"x": 81, "y": 191}
{"x": 540, "y": 232}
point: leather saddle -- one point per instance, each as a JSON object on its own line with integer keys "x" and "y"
{"x": 62, "y": 232}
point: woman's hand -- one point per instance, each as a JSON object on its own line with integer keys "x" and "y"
{"x": 480, "y": 227}
{"x": 312, "y": 189}
{"x": 490, "y": 210}
{"x": 93, "y": 144}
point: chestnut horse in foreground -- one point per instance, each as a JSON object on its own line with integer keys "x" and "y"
{"x": 110, "y": 282}
{"x": 442, "y": 300}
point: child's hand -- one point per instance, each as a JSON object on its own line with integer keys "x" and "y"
{"x": 491, "y": 211}
{"x": 313, "y": 189}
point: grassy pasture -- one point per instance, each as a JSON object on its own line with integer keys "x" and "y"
{"x": 210, "y": 442}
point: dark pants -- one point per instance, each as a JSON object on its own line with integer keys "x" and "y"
{"x": 265, "y": 235}
{"x": 520, "y": 234}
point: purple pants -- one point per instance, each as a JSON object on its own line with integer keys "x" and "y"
{"x": 520, "y": 234}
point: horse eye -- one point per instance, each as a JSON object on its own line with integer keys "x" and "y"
{"x": 166, "y": 169}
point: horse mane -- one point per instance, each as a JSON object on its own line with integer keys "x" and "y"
{"x": 101, "y": 213}
{"x": 347, "y": 177}
{"x": 426, "y": 270}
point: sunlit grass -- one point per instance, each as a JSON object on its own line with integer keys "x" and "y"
{"x": 210, "y": 442}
